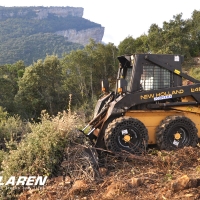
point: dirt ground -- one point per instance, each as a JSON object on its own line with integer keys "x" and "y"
{"x": 158, "y": 175}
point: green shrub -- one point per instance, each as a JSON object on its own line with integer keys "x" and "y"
{"x": 2, "y": 156}
{"x": 195, "y": 72}
{"x": 12, "y": 129}
{"x": 3, "y": 114}
{"x": 41, "y": 151}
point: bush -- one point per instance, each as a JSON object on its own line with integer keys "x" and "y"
{"x": 3, "y": 114}
{"x": 41, "y": 151}
{"x": 2, "y": 156}
{"x": 195, "y": 72}
{"x": 12, "y": 129}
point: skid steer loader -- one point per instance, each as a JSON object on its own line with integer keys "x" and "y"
{"x": 149, "y": 106}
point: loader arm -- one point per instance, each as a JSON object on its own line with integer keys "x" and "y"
{"x": 99, "y": 115}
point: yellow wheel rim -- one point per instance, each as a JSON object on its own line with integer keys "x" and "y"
{"x": 127, "y": 138}
{"x": 177, "y": 136}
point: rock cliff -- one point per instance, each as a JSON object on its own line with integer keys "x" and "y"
{"x": 58, "y": 11}
{"x": 83, "y": 37}
{"x": 40, "y": 12}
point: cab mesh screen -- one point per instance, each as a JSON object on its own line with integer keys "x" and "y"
{"x": 154, "y": 78}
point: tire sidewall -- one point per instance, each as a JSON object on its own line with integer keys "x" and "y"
{"x": 187, "y": 126}
{"x": 113, "y": 141}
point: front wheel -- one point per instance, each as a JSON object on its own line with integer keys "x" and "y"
{"x": 176, "y": 132}
{"x": 126, "y": 133}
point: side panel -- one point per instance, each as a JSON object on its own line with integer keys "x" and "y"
{"x": 152, "y": 119}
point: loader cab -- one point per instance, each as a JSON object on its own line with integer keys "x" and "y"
{"x": 144, "y": 72}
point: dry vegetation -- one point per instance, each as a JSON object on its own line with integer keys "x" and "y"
{"x": 55, "y": 148}
{"x": 157, "y": 175}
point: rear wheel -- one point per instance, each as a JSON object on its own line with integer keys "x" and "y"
{"x": 126, "y": 133}
{"x": 176, "y": 132}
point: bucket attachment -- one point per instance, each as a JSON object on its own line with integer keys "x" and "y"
{"x": 89, "y": 134}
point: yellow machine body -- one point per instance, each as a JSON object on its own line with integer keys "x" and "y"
{"x": 152, "y": 118}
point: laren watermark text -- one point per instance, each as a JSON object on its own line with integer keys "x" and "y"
{"x": 24, "y": 180}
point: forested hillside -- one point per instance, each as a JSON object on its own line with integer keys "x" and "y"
{"x": 26, "y": 37}
{"x": 34, "y": 47}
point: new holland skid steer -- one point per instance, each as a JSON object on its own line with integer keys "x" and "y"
{"x": 149, "y": 106}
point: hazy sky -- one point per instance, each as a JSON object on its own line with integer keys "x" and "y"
{"x": 122, "y": 18}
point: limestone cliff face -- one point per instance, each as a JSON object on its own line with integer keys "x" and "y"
{"x": 83, "y": 37}
{"x": 41, "y": 12}
{"x": 58, "y": 11}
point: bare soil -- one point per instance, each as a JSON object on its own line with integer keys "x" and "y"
{"x": 158, "y": 175}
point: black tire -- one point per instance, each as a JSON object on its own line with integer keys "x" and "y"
{"x": 130, "y": 128}
{"x": 181, "y": 126}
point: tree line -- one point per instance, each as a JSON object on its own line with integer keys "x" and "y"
{"x": 47, "y": 84}
{"x": 177, "y": 36}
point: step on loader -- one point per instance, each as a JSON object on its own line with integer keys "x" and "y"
{"x": 150, "y": 105}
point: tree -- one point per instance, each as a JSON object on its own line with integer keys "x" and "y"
{"x": 141, "y": 44}
{"x": 194, "y": 30}
{"x": 127, "y": 46}
{"x": 84, "y": 70}
{"x": 155, "y": 38}
{"x": 9, "y": 77}
{"x": 175, "y": 36}
{"x": 130, "y": 45}
{"x": 102, "y": 61}
{"x": 40, "y": 88}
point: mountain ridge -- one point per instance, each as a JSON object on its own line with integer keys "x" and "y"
{"x": 40, "y": 12}
{"x": 21, "y": 24}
